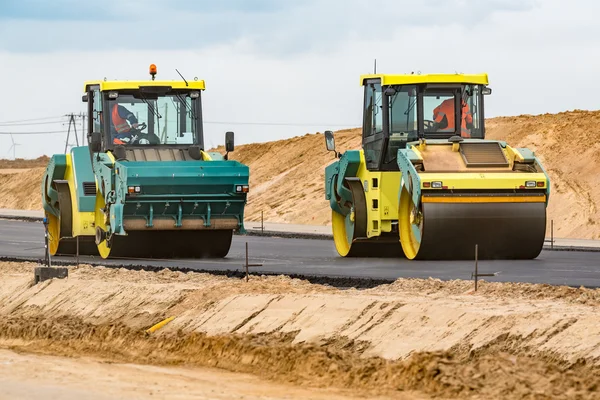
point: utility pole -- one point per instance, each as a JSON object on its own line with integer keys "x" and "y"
{"x": 82, "y": 128}
{"x": 71, "y": 122}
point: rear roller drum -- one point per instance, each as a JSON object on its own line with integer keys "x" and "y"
{"x": 102, "y": 242}
{"x": 58, "y": 246}
{"x": 374, "y": 247}
{"x": 53, "y": 234}
{"x": 87, "y": 246}
{"x": 348, "y": 228}
{"x": 343, "y": 235}
{"x": 350, "y": 231}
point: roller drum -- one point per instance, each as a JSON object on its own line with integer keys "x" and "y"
{"x": 172, "y": 244}
{"x": 501, "y": 230}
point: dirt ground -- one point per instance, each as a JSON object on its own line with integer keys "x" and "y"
{"x": 34, "y": 376}
{"x": 277, "y": 337}
{"x": 287, "y": 176}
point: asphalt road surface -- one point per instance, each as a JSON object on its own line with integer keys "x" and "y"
{"x": 313, "y": 257}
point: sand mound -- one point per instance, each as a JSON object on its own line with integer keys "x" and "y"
{"x": 21, "y": 190}
{"x": 287, "y": 176}
{"x": 24, "y": 163}
{"x": 433, "y": 337}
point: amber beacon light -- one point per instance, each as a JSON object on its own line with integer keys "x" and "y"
{"x": 152, "y": 70}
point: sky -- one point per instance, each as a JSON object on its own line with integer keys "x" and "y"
{"x": 277, "y": 69}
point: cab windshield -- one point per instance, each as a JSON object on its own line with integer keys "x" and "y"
{"x": 144, "y": 119}
{"x": 439, "y": 112}
{"x": 450, "y": 112}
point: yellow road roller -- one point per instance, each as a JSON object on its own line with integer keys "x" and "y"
{"x": 427, "y": 184}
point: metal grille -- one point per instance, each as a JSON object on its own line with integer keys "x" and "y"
{"x": 89, "y": 188}
{"x": 157, "y": 155}
{"x": 483, "y": 155}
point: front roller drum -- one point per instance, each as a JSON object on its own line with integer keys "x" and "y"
{"x": 167, "y": 244}
{"x": 450, "y": 231}
{"x": 159, "y": 243}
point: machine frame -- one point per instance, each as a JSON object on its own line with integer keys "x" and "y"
{"x": 377, "y": 204}
{"x": 144, "y": 200}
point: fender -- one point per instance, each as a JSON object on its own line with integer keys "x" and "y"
{"x": 54, "y": 171}
{"x": 66, "y": 208}
{"x": 336, "y": 191}
{"x": 410, "y": 176}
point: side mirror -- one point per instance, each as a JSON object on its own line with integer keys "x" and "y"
{"x": 95, "y": 140}
{"x": 84, "y": 98}
{"x": 486, "y": 91}
{"x": 228, "y": 141}
{"x": 330, "y": 143}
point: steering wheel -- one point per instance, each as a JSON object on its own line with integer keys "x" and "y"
{"x": 143, "y": 138}
{"x": 429, "y": 125}
{"x": 140, "y": 127}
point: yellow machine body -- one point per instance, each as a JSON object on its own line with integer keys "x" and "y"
{"x": 426, "y": 187}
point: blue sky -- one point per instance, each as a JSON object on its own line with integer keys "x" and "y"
{"x": 294, "y": 62}
{"x": 275, "y": 27}
{"x": 60, "y": 10}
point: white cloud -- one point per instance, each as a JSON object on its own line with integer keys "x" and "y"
{"x": 305, "y": 67}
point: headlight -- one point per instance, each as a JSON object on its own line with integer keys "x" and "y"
{"x": 242, "y": 188}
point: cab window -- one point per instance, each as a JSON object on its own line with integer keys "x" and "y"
{"x": 373, "y": 125}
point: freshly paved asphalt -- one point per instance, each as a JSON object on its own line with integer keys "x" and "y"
{"x": 313, "y": 257}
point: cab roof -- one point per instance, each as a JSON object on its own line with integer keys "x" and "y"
{"x": 408, "y": 79}
{"x": 121, "y": 85}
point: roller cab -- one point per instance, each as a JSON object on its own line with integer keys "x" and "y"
{"x": 427, "y": 179}
{"x": 148, "y": 186}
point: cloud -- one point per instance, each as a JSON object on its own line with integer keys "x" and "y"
{"x": 269, "y": 26}
{"x": 304, "y": 67}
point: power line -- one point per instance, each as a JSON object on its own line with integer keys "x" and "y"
{"x": 272, "y": 123}
{"x": 29, "y": 120}
{"x": 33, "y": 123}
{"x": 31, "y": 133}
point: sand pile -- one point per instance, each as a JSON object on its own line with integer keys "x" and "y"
{"x": 287, "y": 176}
{"x": 21, "y": 188}
{"x": 22, "y": 163}
{"x": 432, "y": 337}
